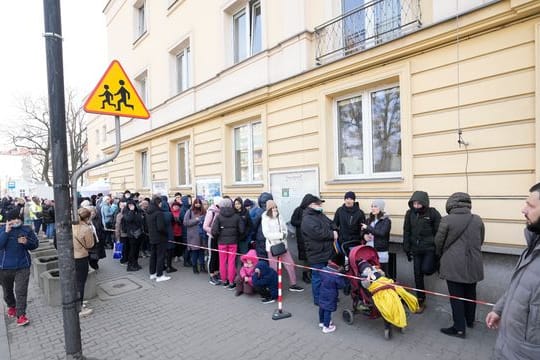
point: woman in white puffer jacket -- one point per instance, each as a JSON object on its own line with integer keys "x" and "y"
{"x": 275, "y": 232}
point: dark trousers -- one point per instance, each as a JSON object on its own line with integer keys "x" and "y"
{"x": 17, "y": 279}
{"x": 133, "y": 254}
{"x": 424, "y": 264}
{"x": 325, "y": 317}
{"x": 157, "y": 258}
{"x": 37, "y": 225}
{"x": 213, "y": 256}
{"x": 463, "y": 312}
{"x": 81, "y": 274}
{"x": 316, "y": 281}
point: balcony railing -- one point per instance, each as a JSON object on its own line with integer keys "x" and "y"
{"x": 371, "y": 24}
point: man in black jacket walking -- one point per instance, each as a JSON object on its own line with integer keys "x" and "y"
{"x": 319, "y": 235}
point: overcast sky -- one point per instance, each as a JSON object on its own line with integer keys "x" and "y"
{"x": 22, "y": 58}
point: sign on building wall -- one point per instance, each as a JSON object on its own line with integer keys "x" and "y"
{"x": 160, "y": 188}
{"x": 288, "y": 189}
{"x": 208, "y": 188}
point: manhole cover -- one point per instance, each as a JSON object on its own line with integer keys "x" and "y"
{"x": 119, "y": 286}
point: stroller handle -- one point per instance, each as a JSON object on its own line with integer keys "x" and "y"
{"x": 345, "y": 247}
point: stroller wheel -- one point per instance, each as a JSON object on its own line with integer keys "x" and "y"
{"x": 388, "y": 333}
{"x": 348, "y": 316}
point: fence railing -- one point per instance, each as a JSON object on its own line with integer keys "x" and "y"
{"x": 371, "y": 24}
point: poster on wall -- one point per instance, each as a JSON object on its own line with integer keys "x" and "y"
{"x": 289, "y": 187}
{"x": 208, "y": 188}
{"x": 160, "y": 188}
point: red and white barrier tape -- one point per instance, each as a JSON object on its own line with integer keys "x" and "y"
{"x": 480, "y": 302}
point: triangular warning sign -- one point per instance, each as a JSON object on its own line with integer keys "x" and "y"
{"x": 115, "y": 95}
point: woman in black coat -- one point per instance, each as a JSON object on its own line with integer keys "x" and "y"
{"x": 132, "y": 225}
{"x": 376, "y": 232}
{"x": 158, "y": 237}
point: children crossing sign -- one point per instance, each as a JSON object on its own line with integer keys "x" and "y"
{"x": 115, "y": 95}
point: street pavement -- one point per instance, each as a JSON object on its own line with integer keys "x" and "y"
{"x": 187, "y": 318}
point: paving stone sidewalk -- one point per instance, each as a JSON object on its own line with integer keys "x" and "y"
{"x": 187, "y": 318}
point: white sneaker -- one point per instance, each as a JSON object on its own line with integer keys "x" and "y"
{"x": 329, "y": 329}
{"x": 163, "y": 278}
{"x": 321, "y": 325}
{"x": 153, "y": 276}
{"x": 85, "y": 312}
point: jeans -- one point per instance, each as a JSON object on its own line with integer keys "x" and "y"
{"x": 81, "y": 274}
{"x": 197, "y": 257}
{"x": 17, "y": 279}
{"x": 227, "y": 262}
{"x": 51, "y": 229}
{"x": 125, "y": 250}
{"x": 325, "y": 317}
{"x": 37, "y": 225}
{"x": 316, "y": 281}
{"x": 157, "y": 258}
{"x": 462, "y": 311}
{"x": 424, "y": 264}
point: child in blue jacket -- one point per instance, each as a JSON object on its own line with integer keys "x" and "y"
{"x": 331, "y": 282}
{"x": 265, "y": 282}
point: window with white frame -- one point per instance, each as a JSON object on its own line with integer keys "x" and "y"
{"x": 140, "y": 18}
{"x": 141, "y": 82}
{"x": 369, "y": 134}
{"x": 182, "y": 163}
{"x": 248, "y": 153}
{"x": 247, "y": 31}
{"x": 145, "y": 173}
{"x": 183, "y": 68}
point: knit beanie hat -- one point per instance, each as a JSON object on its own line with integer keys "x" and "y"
{"x": 350, "y": 195}
{"x": 225, "y": 203}
{"x": 379, "y": 203}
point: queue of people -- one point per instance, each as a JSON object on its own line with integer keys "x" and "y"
{"x": 449, "y": 244}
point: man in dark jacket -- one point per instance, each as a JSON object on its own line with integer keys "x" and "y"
{"x": 256, "y": 218}
{"x": 419, "y": 230}
{"x": 348, "y": 219}
{"x": 296, "y": 221}
{"x": 48, "y": 218}
{"x": 15, "y": 241}
{"x": 517, "y": 313}
{"x": 319, "y": 235}
{"x": 158, "y": 237}
{"x": 459, "y": 242}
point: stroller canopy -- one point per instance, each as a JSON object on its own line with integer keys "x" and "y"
{"x": 362, "y": 252}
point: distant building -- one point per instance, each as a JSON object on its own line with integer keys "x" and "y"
{"x": 16, "y": 175}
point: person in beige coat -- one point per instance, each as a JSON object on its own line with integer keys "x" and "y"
{"x": 83, "y": 240}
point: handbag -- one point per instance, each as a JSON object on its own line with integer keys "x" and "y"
{"x": 93, "y": 254}
{"x": 117, "y": 251}
{"x": 278, "y": 249}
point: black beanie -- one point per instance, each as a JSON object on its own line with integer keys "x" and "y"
{"x": 350, "y": 195}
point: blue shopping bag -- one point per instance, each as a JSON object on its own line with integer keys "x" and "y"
{"x": 117, "y": 252}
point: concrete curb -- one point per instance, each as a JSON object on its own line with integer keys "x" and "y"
{"x": 4, "y": 343}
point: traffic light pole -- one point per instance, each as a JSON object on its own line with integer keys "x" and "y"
{"x": 66, "y": 262}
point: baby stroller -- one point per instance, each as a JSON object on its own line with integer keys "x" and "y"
{"x": 363, "y": 299}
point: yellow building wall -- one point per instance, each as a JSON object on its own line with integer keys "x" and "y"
{"x": 484, "y": 85}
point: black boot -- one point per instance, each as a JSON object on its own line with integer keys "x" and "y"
{"x": 203, "y": 267}
{"x": 195, "y": 269}
{"x": 306, "y": 277}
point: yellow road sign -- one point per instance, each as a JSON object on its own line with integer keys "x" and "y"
{"x": 115, "y": 95}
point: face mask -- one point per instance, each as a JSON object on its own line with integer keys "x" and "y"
{"x": 319, "y": 209}
{"x": 16, "y": 225}
{"x": 127, "y": 196}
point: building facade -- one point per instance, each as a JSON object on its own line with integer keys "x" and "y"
{"x": 379, "y": 97}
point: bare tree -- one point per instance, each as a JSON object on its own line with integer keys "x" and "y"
{"x": 34, "y": 134}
